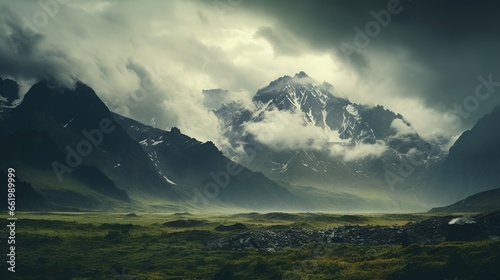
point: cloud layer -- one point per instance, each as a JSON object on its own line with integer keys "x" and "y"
{"x": 151, "y": 59}
{"x": 284, "y": 130}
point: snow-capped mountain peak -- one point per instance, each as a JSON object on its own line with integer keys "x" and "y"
{"x": 301, "y": 94}
{"x": 304, "y": 126}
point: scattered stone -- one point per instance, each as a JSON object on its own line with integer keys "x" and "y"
{"x": 133, "y": 215}
{"x": 234, "y": 227}
{"x": 430, "y": 231}
{"x": 271, "y": 250}
{"x": 489, "y": 223}
{"x": 184, "y": 223}
{"x": 462, "y": 221}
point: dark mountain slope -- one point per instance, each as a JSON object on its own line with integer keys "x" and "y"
{"x": 26, "y": 198}
{"x": 69, "y": 146}
{"x": 472, "y": 165}
{"x": 207, "y": 172}
{"x": 70, "y": 116}
{"x": 66, "y": 142}
{"x": 487, "y": 201}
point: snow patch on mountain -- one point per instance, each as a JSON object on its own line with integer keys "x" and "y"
{"x": 154, "y": 143}
{"x": 353, "y": 111}
{"x": 65, "y": 125}
{"x": 168, "y": 180}
{"x": 304, "y": 128}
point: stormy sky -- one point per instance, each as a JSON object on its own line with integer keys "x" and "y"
{"x": 434, "y": 62}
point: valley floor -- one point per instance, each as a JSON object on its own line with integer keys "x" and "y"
{"x": 186, "y": 246}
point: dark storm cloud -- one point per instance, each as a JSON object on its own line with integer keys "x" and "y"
{"x": 140, "y": 59}
{"x": 281, "y": 44}
{"x": 454, "y": 41}
{"x": 431, "y": 50}
{"x": 19, "y": 50}
{"x": 27, "y": 53}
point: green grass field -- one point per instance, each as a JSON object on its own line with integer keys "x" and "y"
{"x": 113, "y": 246}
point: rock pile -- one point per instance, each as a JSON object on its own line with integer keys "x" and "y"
{"x": 490, "y": 224}
{"x": 296, "y": 237}
{"x": 430, "y": 231}
{"x": 270, "y": 240}
{"x": 234, "y": 227}
{"x": 364, "y": 235}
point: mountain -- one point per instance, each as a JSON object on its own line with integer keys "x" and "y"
{"x": 300, "y": 132}
{"x": 76, "y": 154}
{"x": 9, "y": 96}
{"x": 9, "y": 90}
{"x": 60, "y": 138}
{"x": 213, "y": 178}
{"x": 472, "y": 165}
{"x": 487, "y": 201}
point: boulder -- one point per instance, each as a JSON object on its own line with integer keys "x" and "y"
{"x": 234, "y": 227}
{"x": 462, "y": 229}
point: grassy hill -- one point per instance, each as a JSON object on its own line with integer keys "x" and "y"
{"x": 482, "y": 202}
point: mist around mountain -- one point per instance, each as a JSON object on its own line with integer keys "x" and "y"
{"x": 71, "y": 149}
{"x": 66, "y": 144}
{"x": 472, "y": 165}
{"x": 327, "y": 146}
{"x": 206, "y": 173}
{"x": 295, "y": 146}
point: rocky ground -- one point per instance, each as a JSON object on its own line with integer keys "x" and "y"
{"x": 429, "y": 231}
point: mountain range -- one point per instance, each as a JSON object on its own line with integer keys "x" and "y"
{"x": 77, "y": 154}
{"x": 298, "y": 145}
{"x": 347, "y": 149}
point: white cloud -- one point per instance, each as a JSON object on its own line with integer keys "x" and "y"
{"x": 284, "y": 130}
{"x": 215, "y": 98}
{"x": 188, "y": 47}
{"x": 390, "y": 81}
{"x": 402, "y": 129}
{"x": 362, "y": 151}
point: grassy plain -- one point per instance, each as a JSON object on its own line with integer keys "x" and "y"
{"x": 113, "y": 246}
